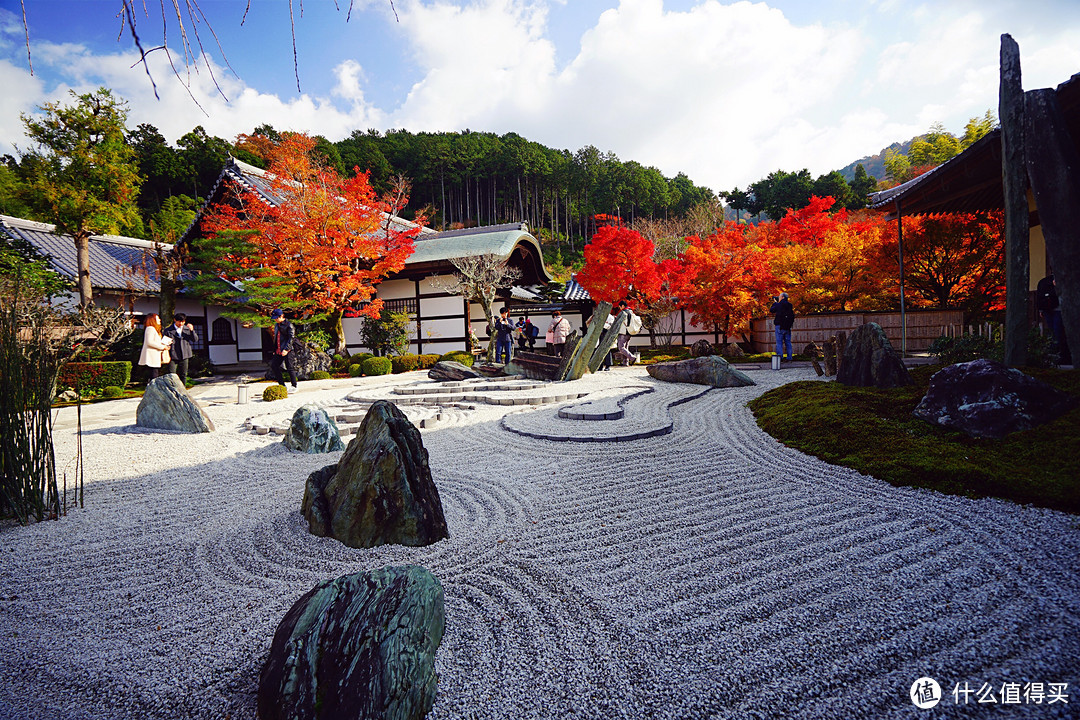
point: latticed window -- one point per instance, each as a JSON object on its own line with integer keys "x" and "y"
{"x": 409, "y": 305}
{"x": 222, "y": 331}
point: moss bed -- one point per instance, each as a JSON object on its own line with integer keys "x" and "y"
{"x": 874, "y": 432}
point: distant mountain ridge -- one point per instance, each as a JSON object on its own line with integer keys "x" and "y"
{"x": 875, "y": 164}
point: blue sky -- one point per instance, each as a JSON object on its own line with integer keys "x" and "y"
{"x": 723, "y": 91}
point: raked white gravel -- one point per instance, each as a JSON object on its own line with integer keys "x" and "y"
{"x": 706, "y": 573}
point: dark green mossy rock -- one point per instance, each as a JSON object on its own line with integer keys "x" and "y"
{"x": 360, "y": 646}
{"x": 712, "y": 370}
{"x": 381, "y": 492}
{"x": 313, "y": 431}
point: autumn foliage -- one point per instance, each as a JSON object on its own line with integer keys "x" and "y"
{"x": 328, "y": 238}
{"x": 828, "y": 262}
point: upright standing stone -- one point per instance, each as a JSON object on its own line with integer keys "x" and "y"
{"x": 870, "y": 361}
{"x": 583, "y": 353}
{"x": 572, "y": 341}
{"x": 166, "y": 405}
{"x": 360, "y": 646}
{"x": 1014, "y": 184}
{"x": 381, "y": 492}
{"x": 1053, "y": 164}
{"x": 608, "y": 340}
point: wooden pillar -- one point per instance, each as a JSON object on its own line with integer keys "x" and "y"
{"x": 1014, "y": 187}
{"x": 1053, "y": 164}
{"x": 903, "y": 309}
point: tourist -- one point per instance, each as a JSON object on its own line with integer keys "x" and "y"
{"x": 784, "y": 318}
{"x": 531, "y": 332}
{"x": 1046, "y": 300}
{"x": 182, "y": 334}
{"x": 557, "y": 332}
{"x": 631, "y": 327}
{"x": 283, "y": 345}
{"x": 522, "y": 338}
{"x": 154, "y": 347}
{"x": 504, "y": 335}
{"x": 605, "y": 364}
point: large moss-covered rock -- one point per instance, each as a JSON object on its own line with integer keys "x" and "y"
{"x": 869, "y": 360}
{"x": 984, "y": 398}
{"x": 360, "y": 646}
{"x": 381, "y": 492}
{"x": 313, "y": 431}
{"x": 713, "y": 370}
{"x": 166, "y": 405}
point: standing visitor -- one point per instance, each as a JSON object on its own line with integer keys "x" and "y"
{"x": 504, "y": 335}
{"x": 1046, "y": 300}
{"x": 531, "y": 333}
{"x": 283, "y": 341}
{"x": 154, "y": 347}
{"x": 182, "y": 334}
{"x": 557, "y": 332}
{"x": 632, "y": 326}
{"x": 784, "y": 318}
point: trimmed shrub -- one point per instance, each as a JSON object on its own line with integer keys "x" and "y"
{"x": 94, "y": 376}
{"x": 275, "y": 392}
{"x": 320, "y": 375}
{"x": 405, "y": 363}
{"x": 355, "y": 371}
{"x": 376, "y": 366}
{"x": 460, "y": 356}
{"x": 112, "y": 391}
{"x": 339, "y": 363}
{"x": 361, "y": 357}
{"x": 428, "y": 361}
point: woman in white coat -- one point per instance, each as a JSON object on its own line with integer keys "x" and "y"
{"x": 153, "y": 345}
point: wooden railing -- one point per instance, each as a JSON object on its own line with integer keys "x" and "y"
{"x": 923, "y": 327}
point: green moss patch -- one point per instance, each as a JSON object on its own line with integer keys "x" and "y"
{"x": 874, "y": 432}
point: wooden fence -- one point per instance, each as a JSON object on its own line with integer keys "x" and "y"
{"x": 923, "y": 327}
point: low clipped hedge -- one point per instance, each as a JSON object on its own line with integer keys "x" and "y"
{"x": 459, "y": 356}
{"x": 275, "y": 392}
{"x": 320, "y": 375}
{"x": 376, "y": 366}
{"x": 428, "y": 361}
{"x": 356, "y": 370}
{"x": 405, "y": 363}
{"x": 94, "y": 376}
{"x": 360, "y": 357}
{"x": 112, "y": 391}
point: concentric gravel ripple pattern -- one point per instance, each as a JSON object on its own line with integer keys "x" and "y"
{"x": 707, "y": 573}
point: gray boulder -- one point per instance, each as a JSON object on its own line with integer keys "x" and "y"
{"x": 731, "y": 351}
{"x": 983, "y": 398}
{"x": 450, "y": 370}
{"x": 870, "y": 361}
{"x": 313, "y": 431}
{"x": 713, "y": 370}
{"x": 702, "y": 348}
{"x": 166, "y": 405}
{"x": 381, "y": 492}
{"x": 360, "y": 646}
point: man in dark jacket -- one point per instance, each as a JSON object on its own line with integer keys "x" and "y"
{"x": 283, "y": 341}
{"x": 1046, "y": 301}
{"x": 183, "y": 335}
{"x": 784, "y": 319}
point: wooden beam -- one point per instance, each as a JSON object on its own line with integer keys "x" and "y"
{"x": 1014, "y": 187}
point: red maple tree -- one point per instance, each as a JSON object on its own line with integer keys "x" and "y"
{"x": 330, "y": 239}
{"x": 619, "y": 265}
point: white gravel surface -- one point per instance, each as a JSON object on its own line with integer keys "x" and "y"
{"x": 706, "y": 573}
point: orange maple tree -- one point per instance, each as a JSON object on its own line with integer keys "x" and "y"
{"x": 329, "y": 240}
{"x": 723, "y": 278}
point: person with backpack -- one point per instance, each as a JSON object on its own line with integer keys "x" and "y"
{"x": 504, "y": 329}
{"x": 632, "y": 326}
{"x": 557, "y": 332}
{"x": 783, "y": 320}
{"x": 531, "y": 332}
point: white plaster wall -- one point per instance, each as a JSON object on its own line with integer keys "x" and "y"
{"x": 435, "y": 329}
{"x": 396, "y": 289}
{"x": 441, "y": 306}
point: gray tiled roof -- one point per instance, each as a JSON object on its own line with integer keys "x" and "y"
{"x": 116, "y": 262}
{"x": 574, "y": 291}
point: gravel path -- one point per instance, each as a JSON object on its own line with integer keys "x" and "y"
{"x": 708, "y": 572}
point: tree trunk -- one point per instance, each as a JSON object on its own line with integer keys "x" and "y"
{"x": 1014, "y": 186}
{"x": 82, "y": 255}
{"x": 338, "y": 330}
